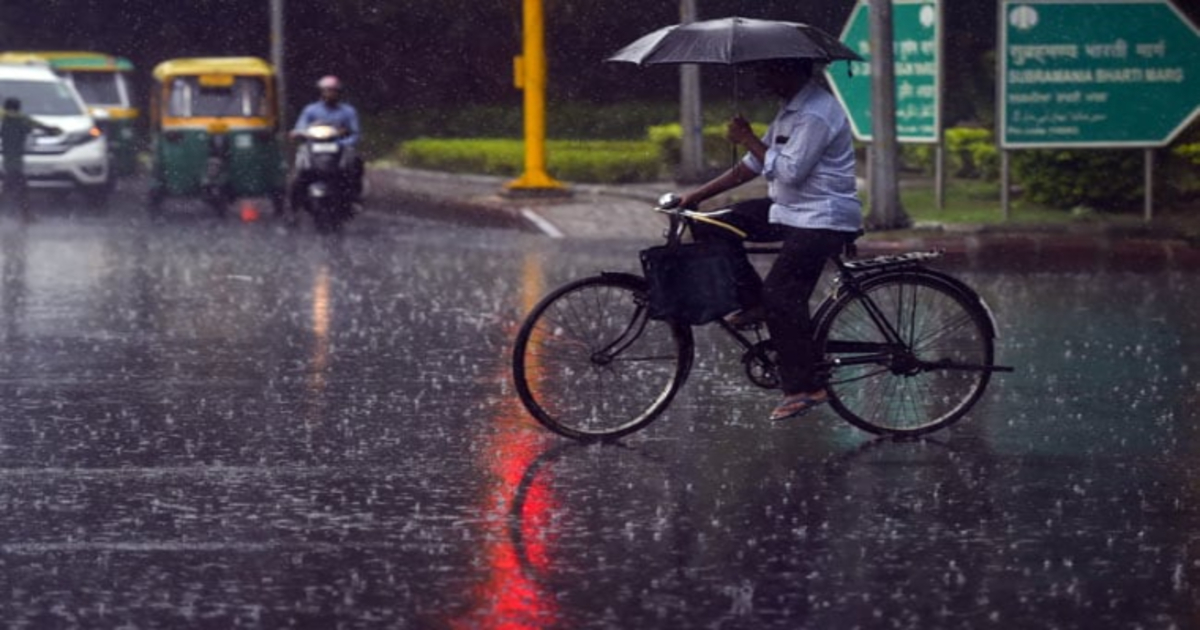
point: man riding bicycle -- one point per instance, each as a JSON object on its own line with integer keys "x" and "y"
{"x": 807, "y": 158}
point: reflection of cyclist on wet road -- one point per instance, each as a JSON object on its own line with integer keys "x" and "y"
{"x": 807, "y": 158}
{"x": 15, "y": 128}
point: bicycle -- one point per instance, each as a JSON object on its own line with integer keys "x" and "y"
{"x": 906, "y": 350}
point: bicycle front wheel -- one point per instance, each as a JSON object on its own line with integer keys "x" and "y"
{"x": 590, "y": 364}
{"x": 928, "y": 380}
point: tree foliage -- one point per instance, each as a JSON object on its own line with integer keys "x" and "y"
{"x": 392, "y": 53}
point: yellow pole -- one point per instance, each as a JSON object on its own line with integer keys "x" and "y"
{"x": 530, "y": 74}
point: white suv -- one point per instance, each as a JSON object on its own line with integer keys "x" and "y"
{"x": 78, "y": 157}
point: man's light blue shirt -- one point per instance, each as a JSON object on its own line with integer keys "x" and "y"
{"x": 340, "y": 115}
{"x": 809, "y": 164}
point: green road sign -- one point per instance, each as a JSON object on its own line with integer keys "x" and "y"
{"x": 916, "y": 42}
{"x": 1104, "y": 74}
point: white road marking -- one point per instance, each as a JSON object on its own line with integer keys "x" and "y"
{"x": 542, "y": 224}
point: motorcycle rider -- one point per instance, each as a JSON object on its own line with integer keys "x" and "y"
{"x": 330, "y": 110}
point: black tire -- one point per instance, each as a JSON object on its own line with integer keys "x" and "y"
{"x": 324, "y": 215}
{"x": 951, "y": 338}
{"x": 219, "y": 206}
{"x": 278, "y": 205}
{"x": 154, "y": 202}
{"x": 565, "y": 376}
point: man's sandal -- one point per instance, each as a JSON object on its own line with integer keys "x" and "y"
{"x": 797, "y": 405}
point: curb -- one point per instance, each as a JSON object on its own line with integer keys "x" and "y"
{"x": 445, "y": 197}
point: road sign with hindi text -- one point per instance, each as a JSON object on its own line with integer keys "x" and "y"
{"x": 1102, "y": 74}
{"x": 916, "y": 45}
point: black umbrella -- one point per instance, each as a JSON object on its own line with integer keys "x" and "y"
{"x": 734, "y": 40}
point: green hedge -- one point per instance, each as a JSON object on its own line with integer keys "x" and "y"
{"x": 1101, "y": 179}
{"x": 627, "y": 120}
{"x": 1189, "y": 152}
{"x": 598, "y": 161}
{"x": 718, "y": 152}
{"x": 1107, "y": 180}
{"x": 970, "y": 153}
{"x": 591, "y": 161}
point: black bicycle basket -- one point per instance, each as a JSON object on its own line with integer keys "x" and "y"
{"x": 693, "y": 283}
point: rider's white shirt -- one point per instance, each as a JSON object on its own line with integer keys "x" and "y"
{"x": 810, "y": 164}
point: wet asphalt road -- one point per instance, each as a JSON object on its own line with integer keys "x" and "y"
{"x": 222, "y": 424}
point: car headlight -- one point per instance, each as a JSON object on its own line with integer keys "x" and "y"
{"x": 83, "y": 137}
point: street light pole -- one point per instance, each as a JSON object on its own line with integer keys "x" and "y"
{"x": 886, "y": 211}
{"x": 530, "y": 76}
{"x": 277, "y": 59}
{"x": 691, "y": 121}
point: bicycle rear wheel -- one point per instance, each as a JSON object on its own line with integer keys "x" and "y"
{"x": 588, "y": 363}
{"x": 926, "y": 382}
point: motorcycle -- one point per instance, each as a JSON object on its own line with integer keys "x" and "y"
{"x": 323, "y": 177}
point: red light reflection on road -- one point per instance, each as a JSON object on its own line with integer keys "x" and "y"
{"x": 509, "y": 597}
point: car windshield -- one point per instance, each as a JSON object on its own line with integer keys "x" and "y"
{"x": 241, "y": 97}
{"x": 41, "y": 98}
{"x": 98, "y": 88}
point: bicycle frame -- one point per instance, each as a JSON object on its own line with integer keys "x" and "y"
{"x": 848, "y": 280}
{"x": 865, "y": 352}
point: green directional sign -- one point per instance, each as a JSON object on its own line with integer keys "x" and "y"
{"x": 916, "y": 44}
{"x": 1104, "y": 74}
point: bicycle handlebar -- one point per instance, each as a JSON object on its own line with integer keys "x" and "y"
{"x": 693, "y": 214}
{"x": 668, "y": 204}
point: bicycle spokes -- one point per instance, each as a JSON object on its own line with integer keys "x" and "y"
{"x": 905, "y": 354}
{"x": 624, "y": 339}
{"x": 589, "y": 363}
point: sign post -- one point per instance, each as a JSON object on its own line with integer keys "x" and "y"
{"x": 1096, "y": 74}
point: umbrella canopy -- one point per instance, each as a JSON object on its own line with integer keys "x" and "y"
{"x": 734, "y": 40}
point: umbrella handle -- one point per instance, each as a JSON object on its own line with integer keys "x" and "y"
{"x": 733, "y": 148}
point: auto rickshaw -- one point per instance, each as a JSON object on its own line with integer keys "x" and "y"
{"x": 215, "y": 132}
{"x": 103, "y": 82}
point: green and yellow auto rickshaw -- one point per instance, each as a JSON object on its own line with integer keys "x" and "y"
{"x": 215, "y": 132}
{"x": 104, "y": 83}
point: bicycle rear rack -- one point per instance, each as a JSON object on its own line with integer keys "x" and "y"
{"x": 891, "y": 261}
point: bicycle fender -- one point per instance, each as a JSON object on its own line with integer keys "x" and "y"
{"x": 623, "y": 275}
{"x": 952, "y": 283}
{"x": 823, "y": 309}
{"x": 968, "y": 293}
